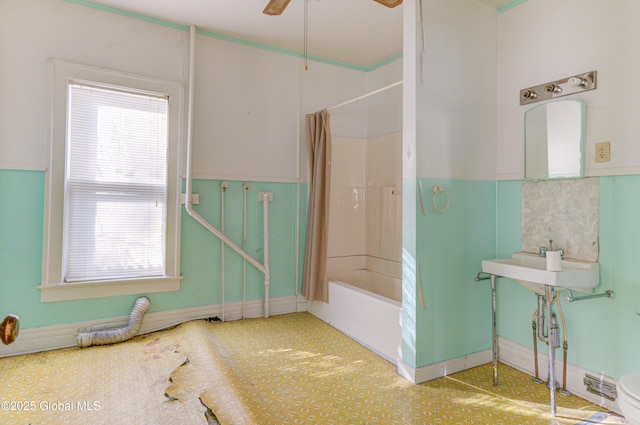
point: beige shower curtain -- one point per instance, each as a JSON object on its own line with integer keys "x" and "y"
{"x": 314, "y": 285}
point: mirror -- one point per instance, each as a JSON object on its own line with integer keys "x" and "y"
{"x": 554, "y": 140}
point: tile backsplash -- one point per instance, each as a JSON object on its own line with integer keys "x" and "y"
{"x": 566, "y": 211}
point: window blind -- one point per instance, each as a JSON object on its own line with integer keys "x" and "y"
{"x": 115, "y": 184}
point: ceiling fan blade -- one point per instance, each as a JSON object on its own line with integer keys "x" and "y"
{"x": 275, "y": 7}
{"x": 390, "y": 3}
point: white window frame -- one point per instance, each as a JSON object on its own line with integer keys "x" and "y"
{"x": 53, "y": 287}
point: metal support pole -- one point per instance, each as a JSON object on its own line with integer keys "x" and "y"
{"x": 495, "y": 330}
{"x": 550, "y": 293}
{"x": 605, "y": 294}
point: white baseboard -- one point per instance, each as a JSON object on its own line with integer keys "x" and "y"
{"x": 447, "y": 367}
{"x": 518, "y": 357}
{"x": 45, "y": 338}
{"x": 521, "y": 358}
{"x": 302, "y": 303}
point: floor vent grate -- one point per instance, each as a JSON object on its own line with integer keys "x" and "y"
{"x": 601, "y": 386}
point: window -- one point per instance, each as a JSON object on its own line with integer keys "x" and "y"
{"x": 115, "y": 184}
{"x": 112, "y": 207}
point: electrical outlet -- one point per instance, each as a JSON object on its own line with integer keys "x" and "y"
{"x": 603, "y": 152}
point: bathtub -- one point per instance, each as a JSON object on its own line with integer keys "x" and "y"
{"x": 365, "y": 306}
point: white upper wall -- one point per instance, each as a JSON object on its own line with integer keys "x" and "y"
{"x": 456, "y": 89}
{"x": 249, "y": 102}
{"x": 246, "y": 112}
{"x": 31, "y": 31}
{"x": 384, "y": 109}
{"x": 546, "y": 40}
{"x": 324, "y": 86}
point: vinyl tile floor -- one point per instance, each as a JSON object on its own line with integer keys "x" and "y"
{"x": 288, "y": 369}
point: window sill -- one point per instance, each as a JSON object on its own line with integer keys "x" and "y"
{"x": 107, "y": 288}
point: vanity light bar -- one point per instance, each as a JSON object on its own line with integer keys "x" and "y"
{"x": 566, "y": 86}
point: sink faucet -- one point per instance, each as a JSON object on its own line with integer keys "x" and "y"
{"x": 542, "y": 252}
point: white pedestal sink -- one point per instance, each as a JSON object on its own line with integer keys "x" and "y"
{"x": 530, "y": 271}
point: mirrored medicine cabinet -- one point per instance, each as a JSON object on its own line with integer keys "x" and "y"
{"x": 554, "y": 140}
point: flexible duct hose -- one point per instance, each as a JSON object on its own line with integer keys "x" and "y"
{"x": 112, "y": 336}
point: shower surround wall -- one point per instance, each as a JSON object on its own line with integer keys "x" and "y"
{"x": 365, "y": 223}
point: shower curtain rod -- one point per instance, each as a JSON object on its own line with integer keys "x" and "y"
{"x": 397, "y": 83}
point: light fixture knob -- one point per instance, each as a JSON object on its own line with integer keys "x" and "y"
{"x": 529, "y": 94}
{"x": 578, "y": 82}
{"x": 553, "y": 88}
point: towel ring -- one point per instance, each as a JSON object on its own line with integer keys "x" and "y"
{"x": 436, "y": 190}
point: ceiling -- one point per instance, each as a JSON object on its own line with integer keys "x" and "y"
{"x": 359, "y": 33}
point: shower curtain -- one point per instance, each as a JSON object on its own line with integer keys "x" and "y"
{"x": 314, "y": 284}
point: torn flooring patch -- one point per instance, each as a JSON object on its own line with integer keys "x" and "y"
{"x": 209, "y": 415}
{"x": 194, "y": 380}
{"x": 289, "y": 369}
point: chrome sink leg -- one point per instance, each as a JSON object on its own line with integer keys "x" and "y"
{"x": 550, "y": 294}
{"x": 495, "y": 330}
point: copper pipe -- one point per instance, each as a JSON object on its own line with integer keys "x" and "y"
{"x": 564, "y": 369}
{"x": 565, "y": 348}
{"x": 10, "y": 329}
{"x": 534, "y": 327}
